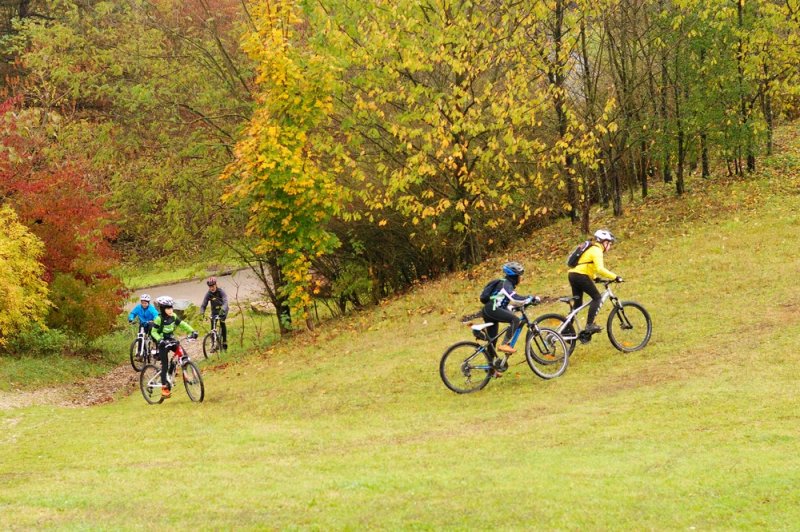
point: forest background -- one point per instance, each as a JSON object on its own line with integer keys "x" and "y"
{"x": 369, "y": 144}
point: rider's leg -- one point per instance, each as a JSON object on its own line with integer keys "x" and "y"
{"x": 493, "y": 328}
{"x": 585, "y": 284}
{"x": 501, "y": 315}
{"x": 575, "y": 282}
{"x": 162, "y": 355}
{"x": 224, "y": 330}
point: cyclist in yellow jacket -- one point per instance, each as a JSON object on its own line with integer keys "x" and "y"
{"x": 590, "y": 266}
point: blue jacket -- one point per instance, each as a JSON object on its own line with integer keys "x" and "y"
{"x": 144, "y": 315}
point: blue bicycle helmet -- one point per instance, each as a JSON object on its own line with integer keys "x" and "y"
{"x": 513, "y": 268}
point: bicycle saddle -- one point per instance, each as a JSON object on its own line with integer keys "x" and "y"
{"x": 568, "y": 299}
{"x": 481, "y": 326}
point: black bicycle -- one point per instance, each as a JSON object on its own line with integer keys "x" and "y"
{"x": 142, "y": 350}
{"x": 629, "y": 326}
{"x": 150, "y": 377}
{"x": 211, "y": 341}
{"x": 469, "y": 366}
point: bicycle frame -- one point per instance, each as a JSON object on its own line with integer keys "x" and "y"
{"x": 179, "y": 358}
{"x": 571, "y": 318}
{"x": 145, "y": 341}
{"x": 526, "y": 322}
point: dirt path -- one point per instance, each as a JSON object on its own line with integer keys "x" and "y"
{"x": 121, "y": 380}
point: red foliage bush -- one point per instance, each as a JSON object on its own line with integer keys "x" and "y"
{"x": 61, "y": 206}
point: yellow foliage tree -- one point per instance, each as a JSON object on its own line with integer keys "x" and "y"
{"x": 23, "y": 293}
{"x": 279, "y": 173}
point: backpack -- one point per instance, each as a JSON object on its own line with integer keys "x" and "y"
{"x": 575, "y": 256}
{"x": 491, "y": 289}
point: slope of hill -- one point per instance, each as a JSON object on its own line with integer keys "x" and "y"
{"x": 353, "y": 429}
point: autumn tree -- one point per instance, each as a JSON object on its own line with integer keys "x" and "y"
{"x": 150, "y": 95}
{"x": 65, "y": 211}
{"x": 24, "y": 300}
{"x": 279, "y": 173}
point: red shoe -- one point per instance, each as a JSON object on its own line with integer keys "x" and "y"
{"x": 166, "y": 393}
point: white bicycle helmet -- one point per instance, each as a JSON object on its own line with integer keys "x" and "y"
{"x": 601, "y": 235}
{"x": 145, "y": 297}
{"x": 165, "y": 301}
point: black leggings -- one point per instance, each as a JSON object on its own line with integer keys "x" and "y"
{"x": 583, "y": 284}
{"x": 497, "y": 316}
{"x": 164, "y": 348}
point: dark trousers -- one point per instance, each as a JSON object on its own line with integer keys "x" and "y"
{"x": 223, "y": 329}
{"x": 165, "y": 346}
{"x": 583, "y": 284}
{"x": 500, "y": 315}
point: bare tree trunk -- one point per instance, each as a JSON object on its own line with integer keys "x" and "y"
{"x": 704, "y": 154}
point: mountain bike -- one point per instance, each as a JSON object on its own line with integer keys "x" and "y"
{"x": 142, "y": 350}
{"x": 211, "y": 343}
{"x": 469, "y": 366}
{"x": 150, "y": 377}
{"x": 629, "y": 326}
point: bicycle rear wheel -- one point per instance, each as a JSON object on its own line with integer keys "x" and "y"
{"x": 555, "y": 322}
{"x": 193, "y": 382}
{"x": 465, "y": 367}
{"x": 629, "y": 326}
{"x": 150, "y": 384}
{"x": 546, "y": 352}
{"x": 210, "y": 345}
{"x": 138, "y": 360}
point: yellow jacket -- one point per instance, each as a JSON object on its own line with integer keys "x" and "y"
{"x": 591, "y": 263}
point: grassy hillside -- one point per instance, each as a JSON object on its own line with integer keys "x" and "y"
{"x": 353, "y": 429}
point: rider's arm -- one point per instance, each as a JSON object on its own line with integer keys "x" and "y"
{"x": 514, "y": 299}
{"x": 204, "y": 304}
{"x": 186, "y": 327}
{"x": 600, "y": 269}
{"x": 133, "y": 314}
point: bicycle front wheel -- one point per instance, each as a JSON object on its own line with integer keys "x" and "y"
{"x": 150, "y": 384}
{"x": 193, "y": 382}
{"x": 210, "y": 344}
{"x": 629, "y": 326}
{"x": 546, "y": 352}
{"x": 137, "y": 357}
{"x": 465, "y": 367}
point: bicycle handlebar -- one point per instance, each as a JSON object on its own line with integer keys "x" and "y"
{"x": 609, "y": 281}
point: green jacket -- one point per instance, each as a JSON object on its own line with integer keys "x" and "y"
{"x": 168, "y": 329}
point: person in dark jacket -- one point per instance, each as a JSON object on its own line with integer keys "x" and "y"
{"x": 501, "y": 305}
{"x": 218, "y": 299}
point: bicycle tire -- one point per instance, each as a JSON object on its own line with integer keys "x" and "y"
{"x": 629, "y": 316}
{"x": 137, "y": 362}
{"x": 150, "y": 384}
{"x": 195, "y": 388}
{"x": 456, "y": 362}
{"x": 554, "y": 321}
{"x": 546, "y": 352}
{"x": 210, "y": 344}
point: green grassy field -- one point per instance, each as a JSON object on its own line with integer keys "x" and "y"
{"x": 353, "y": 429}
